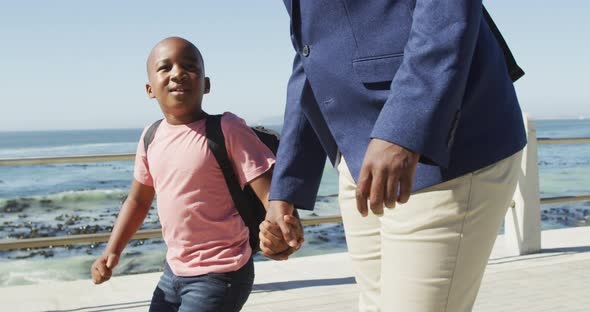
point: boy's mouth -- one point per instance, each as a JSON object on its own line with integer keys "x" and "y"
{"x": 179, "y": 90}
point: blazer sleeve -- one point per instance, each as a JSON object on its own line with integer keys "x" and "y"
{"x": 423, "y": 108}
{"x": 300, "y": 159}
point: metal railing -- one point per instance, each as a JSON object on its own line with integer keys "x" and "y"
{"x": 65, "y": 159}
{"x": 562, "y": 140}
{"x": 156, "y": 233}
{"x": 103, "y": 237}
{"x": 564, "y": 199}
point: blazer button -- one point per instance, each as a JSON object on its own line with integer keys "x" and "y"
{"x": 305, "y": 51}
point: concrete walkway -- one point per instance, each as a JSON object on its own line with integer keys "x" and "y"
{"x": 557, "y": 279}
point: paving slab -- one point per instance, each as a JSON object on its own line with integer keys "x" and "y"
{"x": 557, "y": 279}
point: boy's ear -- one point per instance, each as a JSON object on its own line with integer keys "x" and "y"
{"x": 207, "y": 85}
{"x": 148, "y": 89}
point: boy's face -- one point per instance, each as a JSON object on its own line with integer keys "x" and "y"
{"x": 176, "y": 77}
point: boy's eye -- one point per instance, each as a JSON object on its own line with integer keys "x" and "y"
{"x": 191, "y": 66}
{"x": 163, "y": 67}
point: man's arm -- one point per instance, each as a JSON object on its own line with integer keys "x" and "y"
{"x": 273, "y": 244}
{"x": 131, "y": 216}
{"x": 427, "y": 90}
{"x": 300, "y": 160}
{"x": 419, "y": 117}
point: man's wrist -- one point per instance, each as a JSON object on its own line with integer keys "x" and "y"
{"x": 280, "y": 202}
{"x": 281, "y": 205}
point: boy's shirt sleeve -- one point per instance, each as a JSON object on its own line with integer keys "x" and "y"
{"x": 141, "y": 170}
{"x": 248, "y": 155}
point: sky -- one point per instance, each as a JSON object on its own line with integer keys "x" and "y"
{"x": 71, "y": 64}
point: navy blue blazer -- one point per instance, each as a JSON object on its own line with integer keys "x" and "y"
{"x": 426, "y": 75}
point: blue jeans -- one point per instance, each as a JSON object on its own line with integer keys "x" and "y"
{"x": 218, "y": 292}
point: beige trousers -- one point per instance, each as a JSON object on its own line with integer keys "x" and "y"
{"x": 429, "y": 254}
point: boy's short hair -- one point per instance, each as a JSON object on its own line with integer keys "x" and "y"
{"x": 198, "y": 52}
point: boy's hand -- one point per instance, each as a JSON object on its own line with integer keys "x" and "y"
{"x": 102, "y": 268}
{"x": 272, "y": 242}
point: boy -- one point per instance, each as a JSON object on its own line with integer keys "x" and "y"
{"x": 208, "y": 262}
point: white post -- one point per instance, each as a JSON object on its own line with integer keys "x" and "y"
{"x": 522, "y": 224}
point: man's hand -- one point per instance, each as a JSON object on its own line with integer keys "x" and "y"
{"x": 102, "y": 268}
{"x": 387, "y": 168}
{"x": 272, "y": 242}
{"x": 283, "y": 215}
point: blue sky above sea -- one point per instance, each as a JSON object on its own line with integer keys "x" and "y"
{"x": 70, "y": 64}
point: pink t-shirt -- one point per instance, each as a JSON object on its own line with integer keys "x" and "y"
{"x": 200, "y": 224}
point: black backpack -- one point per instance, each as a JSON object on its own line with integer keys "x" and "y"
{"x": 247, "y": 203}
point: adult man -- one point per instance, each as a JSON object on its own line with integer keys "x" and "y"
{"x": 402, "y": 96}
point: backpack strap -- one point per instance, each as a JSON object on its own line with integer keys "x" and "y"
{"x": 513, "y": 69}
{"x": 216, "y": 143}
{"x": 149, "y": 134}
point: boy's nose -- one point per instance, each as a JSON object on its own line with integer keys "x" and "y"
{"x": 178, "y": 74}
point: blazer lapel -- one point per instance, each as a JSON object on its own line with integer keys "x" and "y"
{"x": 289, "y": 6}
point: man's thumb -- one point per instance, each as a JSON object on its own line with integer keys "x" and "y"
{"x": 112, "y": 261}
{"x": 288, "y": 234}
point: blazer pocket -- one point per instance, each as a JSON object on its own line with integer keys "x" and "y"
{"x": 377, "y": 68}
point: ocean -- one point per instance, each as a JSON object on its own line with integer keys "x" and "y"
{"x": 67, "y": 199}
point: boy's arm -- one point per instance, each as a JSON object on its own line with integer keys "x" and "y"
{"x": 131, "y": 216}
{"x": 272, "y": 243}
{"x": 261, "y": 186}
{"x": 133, "y": 212}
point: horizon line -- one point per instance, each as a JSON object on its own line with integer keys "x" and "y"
{"x": 257, "y": 123}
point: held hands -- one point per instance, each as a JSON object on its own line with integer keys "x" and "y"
{"x": 281, "y": 233}
{"x": 387, "y": 168}
{"x": 102, "y": 268}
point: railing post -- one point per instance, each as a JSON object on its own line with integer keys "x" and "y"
{"x": 522, "y": 224}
